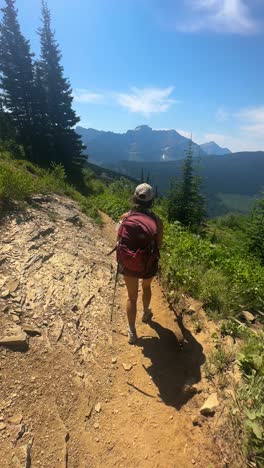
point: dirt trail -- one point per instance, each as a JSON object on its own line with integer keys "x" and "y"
{"x": 148, "y": 421}
{"x": 71, "y": 399}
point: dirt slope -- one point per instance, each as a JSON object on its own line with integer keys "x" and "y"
{"x": 74, "y": 398}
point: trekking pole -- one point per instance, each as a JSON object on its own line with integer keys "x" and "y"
{"x": 116, "y": 277}
{"x": 114, "y": 294}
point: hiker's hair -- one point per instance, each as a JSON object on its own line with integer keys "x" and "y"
{"x": 141, "y": 204}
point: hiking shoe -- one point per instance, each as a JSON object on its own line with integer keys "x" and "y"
{"x": 132, "y": 336}
{"x": 147, "y": 315}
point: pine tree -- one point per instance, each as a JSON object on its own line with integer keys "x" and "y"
{"x": 148, "y": 179}
{"x": 63, "y": 145}
{"x": 185, "y": 202}
{"x": 42, "y": 134}
{"x": 142, "y": 176}
{"x": 16, "y": 75}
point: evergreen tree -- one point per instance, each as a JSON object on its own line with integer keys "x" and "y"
{"x": 142, "y": 176}
{"x": 185, "y": 202}
{"x": 16, "y": 75}
{"x": 63, "y": 145}
{"x": 42, "y": 133}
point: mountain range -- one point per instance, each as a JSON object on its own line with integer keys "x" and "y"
{"x": 142, "y": 144}
{"x": 213, "y": 148}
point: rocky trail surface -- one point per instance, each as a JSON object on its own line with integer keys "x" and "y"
{"x": 73, "y": 393}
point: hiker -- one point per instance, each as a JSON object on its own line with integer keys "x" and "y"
{"x": 139, "y": 240}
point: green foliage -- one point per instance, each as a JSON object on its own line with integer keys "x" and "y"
{"x": 251, "y": 359}
{"x": 225, "y": 280}
{"x": 15, "y": 183}
{"x": 249, "y": 412}
{"x": 231, "y": 328}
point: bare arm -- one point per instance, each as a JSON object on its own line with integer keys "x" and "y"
{"x": 119, "y": 222}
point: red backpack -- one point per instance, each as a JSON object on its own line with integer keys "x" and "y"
{"x": 137, "y": 249}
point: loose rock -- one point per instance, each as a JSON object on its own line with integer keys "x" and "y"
{"x": 17, "y": 342}
{"x": 127, "y": 367}
{"x": 98, "y": 407}
{"x": 58, "y": 328}
{"x": 248, "y": 316}
{"x": 198, "y": 421}
{"x": 31, "y": 330}
{"x": 16, "y": 419}
{"x": 209, "y": 407}
{"x": 5, "y": 293}
{"x": 12, "y": 285}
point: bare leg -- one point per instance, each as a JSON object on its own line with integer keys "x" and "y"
{"x": 146, "y": 295}
{"x": 132, "y": 291}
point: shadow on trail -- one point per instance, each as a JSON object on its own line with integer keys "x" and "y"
{"x": 172, "y": 369}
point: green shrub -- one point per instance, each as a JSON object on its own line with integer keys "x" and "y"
{"x": 232, "y": 328}
{"x": 15, "y": 183}
{"x": 20, "y": 179}
{"x": 226, "y": 281}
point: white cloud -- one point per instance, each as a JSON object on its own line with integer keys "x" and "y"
{"x": 239, "y": 141}
{"x": 84, "y": 96}
{"x": 247, "y": 133}
{"x": 252, "y": 120}
{"x": 146, "y": 101}
{"x": 227, "y": 141}
{"x": 222, "y": 115}
{"x": 225, "y": 16}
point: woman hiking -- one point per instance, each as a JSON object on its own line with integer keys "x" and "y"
{"x": 139, "y": 240}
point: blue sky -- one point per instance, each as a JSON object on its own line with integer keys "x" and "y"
{"x": 192, "y": 65}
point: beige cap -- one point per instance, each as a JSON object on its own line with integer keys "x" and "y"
{"x": 144, "y": 192}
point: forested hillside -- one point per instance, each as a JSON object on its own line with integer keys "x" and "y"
{"x": 238, "y": 174}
